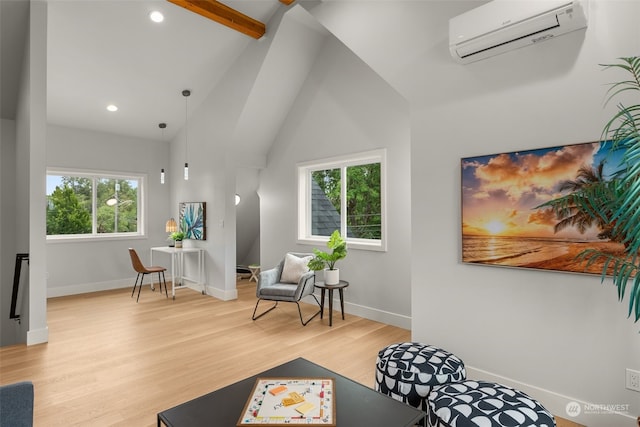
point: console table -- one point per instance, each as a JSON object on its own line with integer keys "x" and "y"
{"x": 177, "y": 261}
{"x": 356, "y": 405}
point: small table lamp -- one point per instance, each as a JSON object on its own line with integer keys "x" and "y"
{"x": 171, "y": 227}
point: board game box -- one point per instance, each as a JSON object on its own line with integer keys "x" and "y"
{"x": 290, "y": 401}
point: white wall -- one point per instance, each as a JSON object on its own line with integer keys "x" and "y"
{"x": 85, "y": 266}
{"x": 208, "y": 130}
{"x": 247, "y": 217}
{"x": 37, "y": 94}
{"x": 25, "y": 224}
{"x": 561, "y": 337}
{"x": 9, "y": 331}
{"x": 344, "y": 108}
{"x": 21, "y": 177}
{"x": 214, "y": 155}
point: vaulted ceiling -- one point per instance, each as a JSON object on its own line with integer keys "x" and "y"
{"x": 104, "y": 52}
{"x": 110, "y": 52}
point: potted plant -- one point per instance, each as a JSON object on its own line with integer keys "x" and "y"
{"x": 323, "y": 259}
{"x": 177, "y": 237}
{"x": 613, "y": 203}
{"x": 624, "y": 131}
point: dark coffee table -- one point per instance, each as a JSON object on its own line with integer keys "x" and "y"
{"x": 356, "y": 405}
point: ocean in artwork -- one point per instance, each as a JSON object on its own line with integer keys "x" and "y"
{"x": 512, "y": 251}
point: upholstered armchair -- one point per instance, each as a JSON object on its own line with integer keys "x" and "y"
{"x": 289, "y": 281}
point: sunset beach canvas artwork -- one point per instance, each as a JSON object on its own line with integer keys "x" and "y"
{"x": 503, "y": 222}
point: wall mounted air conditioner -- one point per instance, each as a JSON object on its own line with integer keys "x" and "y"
{"x": 503, "y": 25}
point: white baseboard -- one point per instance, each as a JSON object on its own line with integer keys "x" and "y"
{"x": 84, "y": 288}
{"x": 61, "y": 291}
{"x": 374, "y": 314}
{"x": 38, "y": 336}
{"x": 381, "y": 316}
{"x": 223, "y": 294}
{"x": 579, "y": 411}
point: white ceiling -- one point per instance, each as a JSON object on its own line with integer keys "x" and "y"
{"x": 109, "y": 51}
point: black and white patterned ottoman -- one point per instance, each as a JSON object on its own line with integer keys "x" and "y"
{"x": 484, "y": 404}
{"x": 407, "y": 371}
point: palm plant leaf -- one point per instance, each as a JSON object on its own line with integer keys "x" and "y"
{"x": 632, "y": 66}
{"x": 592, "y": 202}
{"x": 623, "y": 129}
{"x": 614, "y": 204}
{"x": 623, "y": 270}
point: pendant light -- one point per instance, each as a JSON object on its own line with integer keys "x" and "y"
{"x": 162, "y": 126}
{"x": 186, "y": 94}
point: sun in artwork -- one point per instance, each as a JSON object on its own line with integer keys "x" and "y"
{"x": 495, "y": 227}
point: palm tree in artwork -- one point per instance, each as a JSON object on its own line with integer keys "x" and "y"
{"x": 574, "y": 214}
{"x": 581, "y": 210}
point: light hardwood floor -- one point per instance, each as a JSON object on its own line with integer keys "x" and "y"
{"x": 112, "y": 362}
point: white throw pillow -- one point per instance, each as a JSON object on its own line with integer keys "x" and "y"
{"x": 294, "y": 268}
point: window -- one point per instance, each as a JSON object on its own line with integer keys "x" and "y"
{"x": 343, "y": 193}
{"x": 86, "y": 205}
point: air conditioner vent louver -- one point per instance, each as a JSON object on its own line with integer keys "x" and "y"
{"x": 473, "y": 36}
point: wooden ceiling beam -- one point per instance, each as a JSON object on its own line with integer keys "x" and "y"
{"x": 224, "y": 15}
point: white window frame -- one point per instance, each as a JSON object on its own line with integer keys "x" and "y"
{"x": 304, "y": 171}
{"x": 95, "y": 175}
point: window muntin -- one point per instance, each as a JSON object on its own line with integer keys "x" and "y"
{"x": 86, "y": 205}
{"x": 345, "y": 193}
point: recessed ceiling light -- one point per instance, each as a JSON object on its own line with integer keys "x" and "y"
{"x": 156, "y": 16}
{"x": 112, "y": 107}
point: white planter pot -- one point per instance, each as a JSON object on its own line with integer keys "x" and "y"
{"x": 331, "y": 277}
{"x": 178, "y": 244}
